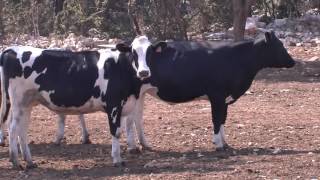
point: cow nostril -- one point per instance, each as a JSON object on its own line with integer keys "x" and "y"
{"x": 144, "y": 73}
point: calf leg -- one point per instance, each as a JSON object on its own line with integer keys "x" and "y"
{"x": 85, "y": 135}
{"x": 219, "y": 114}
{"x": 60, "y": 131}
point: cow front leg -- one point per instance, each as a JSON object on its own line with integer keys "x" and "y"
{"x": 138, "y": 112}
{"x": 114, "y": 116}
{"x": 85, "y": 135}
{"x": 219, "y": 114}
{"x": 60, "y": 131}
{"x": 115, "y": 152}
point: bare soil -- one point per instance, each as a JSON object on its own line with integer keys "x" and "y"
{"x": 274, "y": 132}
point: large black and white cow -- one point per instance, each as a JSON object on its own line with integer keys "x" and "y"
{"x": 69, "y": 83}
{"x": 60, "y": 131}
{"x": 185, "y": 71}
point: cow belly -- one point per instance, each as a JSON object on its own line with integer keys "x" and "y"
{"x": 92, "y": 105}
{"x": 175, "y": 98}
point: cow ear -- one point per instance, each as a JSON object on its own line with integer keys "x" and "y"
{"x": 158, "y": 47}
{"x": 269, "y": 36}
{"x": 123, "y": 47}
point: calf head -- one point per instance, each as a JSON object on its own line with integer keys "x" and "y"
{"x": 139, "y": 49}
{"x": 273, "y": 51}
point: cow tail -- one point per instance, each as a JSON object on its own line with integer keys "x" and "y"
{"x": 5, "y": 102}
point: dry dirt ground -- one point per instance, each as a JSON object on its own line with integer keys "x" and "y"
{"x": 274, "y": 131}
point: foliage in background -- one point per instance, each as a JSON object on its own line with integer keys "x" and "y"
{"x": 164, "y": 19}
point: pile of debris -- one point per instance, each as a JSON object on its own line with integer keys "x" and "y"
{"x": 303, "y": 31}
{"x": 71, "y": 42}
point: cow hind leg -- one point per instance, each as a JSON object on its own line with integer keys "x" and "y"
{"x": 85, "y": 135}
{"x": 132, "y": 146}
{"x": 138, "y": 117}
{"x": 13, "y": 136}
{"x": 219, "y": 114}
{"x": 2, "y": 136}
{"x": 60, "y": 131}
{"x": 23, "y": 125}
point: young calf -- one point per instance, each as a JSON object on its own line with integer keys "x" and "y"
{"x": 185, "y": 71}
{"x": 68, "y": 83}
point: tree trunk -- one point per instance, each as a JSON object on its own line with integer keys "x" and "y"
{"x": 1, "y": 21}
{"x": 135, "y": 12}
{"x": 58, "y": 6}
{"x": 240, "y": 13}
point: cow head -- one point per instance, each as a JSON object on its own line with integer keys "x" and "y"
{"x": 138, "y": 48}
{"x": 274, "y": 52}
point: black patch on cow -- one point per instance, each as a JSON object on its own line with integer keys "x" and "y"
{"x": 70, "y": 75}
{"x": 11, "y": 69}
{"x": 11, "y": 64}
{"x": 107, "y": 65}
{"x": 96, "y": 92}
{"x": 26, "y": 56}
{"x": 27, "y": 72}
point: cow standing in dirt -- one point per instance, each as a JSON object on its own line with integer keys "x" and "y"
{"x": 185, "y": 71}
{"x": 69, "y": 83}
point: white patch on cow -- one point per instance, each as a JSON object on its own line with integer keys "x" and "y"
{"x": 210, "y": 51}
{"x": 140, "y": 45}
{"x": 229, "y": 99}
{"x": 223, "y": 134}
{"x": 205, "y": 97}
{"x": 35, "y": 52}
{"x": 114, "y": 115}
{"x": 218, "y": 138}
{"x": 104, "y": 55}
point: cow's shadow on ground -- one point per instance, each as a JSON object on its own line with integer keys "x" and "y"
{"x": 155, "y": 161}
{"x": 303, "y": 71}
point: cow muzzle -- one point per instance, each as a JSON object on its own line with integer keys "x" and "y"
{"x": 143, "y": 74}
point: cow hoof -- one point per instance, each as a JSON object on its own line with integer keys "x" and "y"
{"x": 31, "y": 166}
{"x": 17, "y": 167}
{"x": 85, "y": 141}
{"x": 119, "y": 164}
{"x": 134, "y": 151}
{"x": 220, "y": 149}
{"x": 2, "y": 143}
{"x": 146, "y": 148}
{"x": 227, "y": 147}
{"x": 57, "y": 143}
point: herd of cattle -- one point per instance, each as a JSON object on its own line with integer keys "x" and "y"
{"x": 115, "y": 81}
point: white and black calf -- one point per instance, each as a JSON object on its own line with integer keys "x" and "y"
{"x": 68, "y": 83}
{"x": 185, "y": 71}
